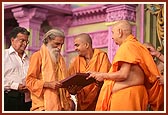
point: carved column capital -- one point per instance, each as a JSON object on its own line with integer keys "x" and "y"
{"x": 121, "y": 12}
{"x": 63, "y": 22}
{"x": 29, "y": 16}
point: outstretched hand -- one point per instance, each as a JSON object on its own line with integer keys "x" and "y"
{"x": 152, "y": 50}
{"x": 98, "y": 76}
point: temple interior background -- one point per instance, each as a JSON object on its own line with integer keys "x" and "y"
{"x": 97, "y": 19}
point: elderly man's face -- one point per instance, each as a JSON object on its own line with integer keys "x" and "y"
{"x": 55, "y": 47}
{"x": 20, "y": 42}
{"x": 57, "y": 42}
{"x": 116, "y": 35}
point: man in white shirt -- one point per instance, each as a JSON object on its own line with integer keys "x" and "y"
{"x": 16, "y": 62}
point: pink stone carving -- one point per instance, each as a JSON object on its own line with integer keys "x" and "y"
{"x": 121, "y": 12}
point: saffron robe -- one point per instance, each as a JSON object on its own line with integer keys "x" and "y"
{"x": 87, "y": 96}
{"x": 42, "y": 69}
{"x": 133, "y": 52}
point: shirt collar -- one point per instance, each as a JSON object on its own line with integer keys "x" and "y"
{"x": 12, "y": 50}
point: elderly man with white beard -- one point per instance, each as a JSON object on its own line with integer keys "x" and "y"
{"x": 47, "y": 68}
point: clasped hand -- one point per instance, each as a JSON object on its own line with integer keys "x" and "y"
{"x": 22, "y": 88}
{"x": 53, "y": 84}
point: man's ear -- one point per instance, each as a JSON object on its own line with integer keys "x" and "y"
{"x": 120, "y": 33}
{"x": 87, "y": 45}
{"x": 12, "y": 39}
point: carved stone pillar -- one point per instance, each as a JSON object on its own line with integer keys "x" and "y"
{"x": 117, "y": 12}
{"x": 32, "y": 20}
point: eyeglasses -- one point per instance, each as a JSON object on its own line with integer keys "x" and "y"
{"x": 23, "y": 41}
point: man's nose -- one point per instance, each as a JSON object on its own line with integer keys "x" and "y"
{"x": 57, "y": 50}
{"x": 76, "y": 48}
{"x": 59, "y": 47}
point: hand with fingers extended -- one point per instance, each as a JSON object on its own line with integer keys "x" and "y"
{"x": 73, "y": 89}
{"x": 52, "y": 84}
{"x": 152, "y": 50}
{"x": 98, "y": 76}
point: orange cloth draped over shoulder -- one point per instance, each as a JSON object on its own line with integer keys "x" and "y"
{"x": 132, "y": 51}
{"x": 87, "y": 97}
{"x": 41, "y": 70}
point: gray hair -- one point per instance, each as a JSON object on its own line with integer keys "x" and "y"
{"x": 51, "y": 34}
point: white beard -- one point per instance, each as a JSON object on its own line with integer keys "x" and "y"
{"x": 54, "y": 53}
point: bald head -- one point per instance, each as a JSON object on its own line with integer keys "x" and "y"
{"x": 124, "y": 25}
{"x": 85, "y": 38}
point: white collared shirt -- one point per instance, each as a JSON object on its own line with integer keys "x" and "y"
{"x": 15, "y": 69}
